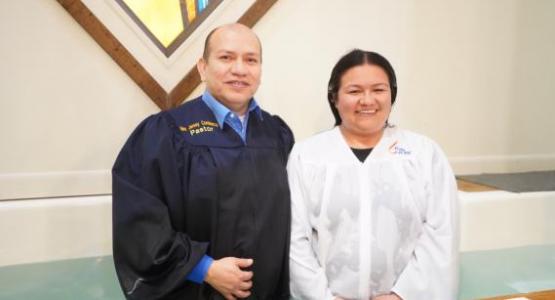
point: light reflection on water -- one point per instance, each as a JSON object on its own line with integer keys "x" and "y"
{"x": 482, "y": 274}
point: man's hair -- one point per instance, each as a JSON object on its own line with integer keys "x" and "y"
{"x": 206, "y": 51}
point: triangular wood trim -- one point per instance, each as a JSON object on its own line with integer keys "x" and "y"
{"x": 133, "y": 68}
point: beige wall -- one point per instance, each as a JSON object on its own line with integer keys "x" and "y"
{"x": 73, "y": 227}
{"x": 55, "y": 229}
{"x": 65, "y": 106}
{"x": 476, "y": 76}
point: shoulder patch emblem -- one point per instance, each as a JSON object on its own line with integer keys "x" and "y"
{"x": 198, "y": 127}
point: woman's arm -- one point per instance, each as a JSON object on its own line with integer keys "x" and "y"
{"x": 307, "y": 277}
{"x": 432, "y": 272}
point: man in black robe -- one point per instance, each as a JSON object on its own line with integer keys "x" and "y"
{"x": 201, "y": 206}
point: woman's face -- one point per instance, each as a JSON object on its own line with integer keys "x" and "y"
{"x": 364, "y": 100}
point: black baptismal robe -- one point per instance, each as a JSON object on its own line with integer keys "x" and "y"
{"x": 183, "y": 187}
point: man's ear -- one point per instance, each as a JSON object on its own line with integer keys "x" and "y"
{"x": 201, "y": 67}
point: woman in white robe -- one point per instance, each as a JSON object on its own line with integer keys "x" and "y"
{"x": 375, "y": 208}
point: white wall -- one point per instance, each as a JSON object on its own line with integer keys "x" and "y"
{"x": 55, "y": 229}
{"x": 500, "y": 219}
{"x": 65, "y": 228}
{"x": 65, "y": 106}
{"x": 476, "y": 76}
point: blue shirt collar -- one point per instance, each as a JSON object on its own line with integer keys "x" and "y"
{"x": 221, "y": 112}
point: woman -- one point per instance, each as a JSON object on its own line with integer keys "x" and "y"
{"x": 374, "y": 207}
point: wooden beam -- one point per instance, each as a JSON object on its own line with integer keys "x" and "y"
{"x": 467, "y": 186}
{"x": 116, "y": 50}
{"x": 133, "y": 68}
{"x": 255, "y": 12}
{"x": 184, "y": 88}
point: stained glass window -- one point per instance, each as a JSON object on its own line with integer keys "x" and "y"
{"x": 168, "y": 23}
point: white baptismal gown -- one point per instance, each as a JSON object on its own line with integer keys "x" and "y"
{"x": 365, "y": 229}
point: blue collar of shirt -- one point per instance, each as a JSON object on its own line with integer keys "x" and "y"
{"x": 221, "y": 112}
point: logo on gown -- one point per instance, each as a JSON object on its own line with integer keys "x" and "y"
{"x": 396, "y": 149}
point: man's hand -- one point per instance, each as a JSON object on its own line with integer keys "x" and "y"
{"x": 226, "y": 276}
{"x": 391, "y": 296}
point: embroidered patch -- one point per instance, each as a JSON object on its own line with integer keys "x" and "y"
{"x": 199, "y": 127}
{"x": 395, "y": 149}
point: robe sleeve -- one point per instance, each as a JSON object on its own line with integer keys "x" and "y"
{"x": 287, "y": 140}
{"x": 308, "y": 280}
{"x": 286, "y": 135}
{"x": 432, "y": 271}
{"x": 151, "y": 257}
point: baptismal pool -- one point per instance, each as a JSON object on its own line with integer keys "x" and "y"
{"x": 482, "y": 274}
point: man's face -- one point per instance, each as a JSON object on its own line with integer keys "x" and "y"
{"x": 233, "y": 67}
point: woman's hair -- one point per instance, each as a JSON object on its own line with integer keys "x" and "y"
{"x": 352, "y": 59}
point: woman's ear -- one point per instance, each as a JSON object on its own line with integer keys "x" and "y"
{"x": 334, "y": 99}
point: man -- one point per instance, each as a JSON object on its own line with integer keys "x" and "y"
{"x": 201, "y": 206}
